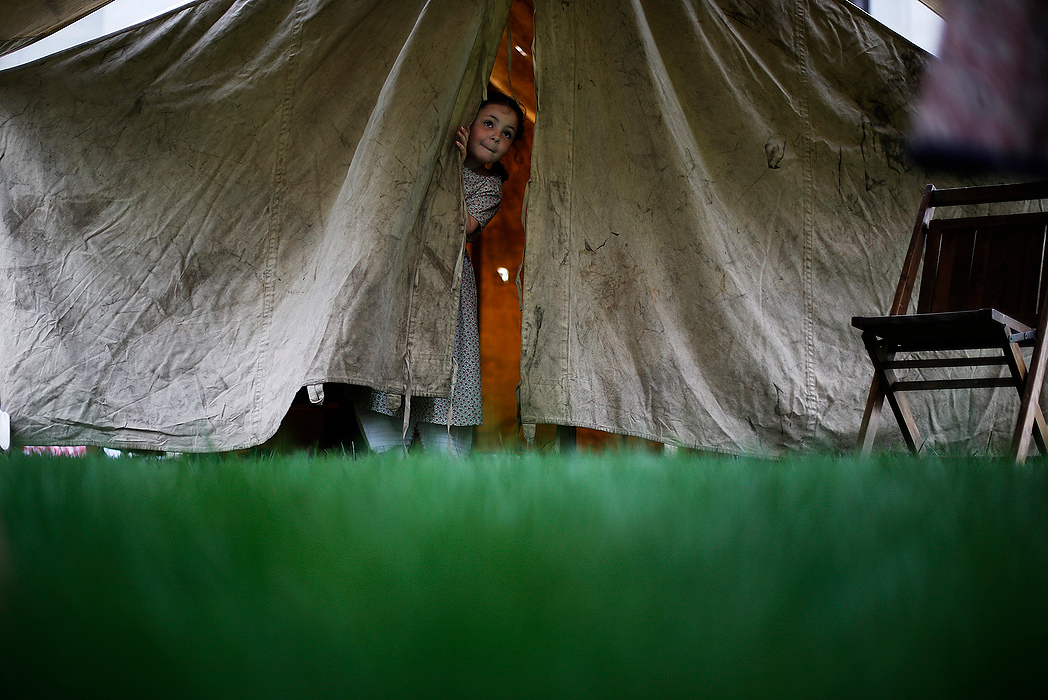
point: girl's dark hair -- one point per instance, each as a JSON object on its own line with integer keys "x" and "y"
{"x": 496, "y": 97}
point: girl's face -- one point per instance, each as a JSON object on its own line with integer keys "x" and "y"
{"x": 490, "y": 136}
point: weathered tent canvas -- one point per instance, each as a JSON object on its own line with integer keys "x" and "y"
{"x": 706, "y": 213}
{"x": 203, "y": 214}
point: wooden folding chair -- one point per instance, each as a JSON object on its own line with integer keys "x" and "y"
{"x": 983, "y": 287}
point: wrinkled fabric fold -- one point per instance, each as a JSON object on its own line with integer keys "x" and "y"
{"x": 717, "y": 187}
{"x": 209, "y": 211}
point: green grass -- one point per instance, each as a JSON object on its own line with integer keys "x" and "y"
{"x": 505, "y": 576}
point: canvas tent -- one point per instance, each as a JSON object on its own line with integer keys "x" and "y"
{"x": 207, "y": 212}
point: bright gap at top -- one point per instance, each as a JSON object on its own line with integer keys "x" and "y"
{"x": 910, "y": 18}
{"x": 117, "y": 15}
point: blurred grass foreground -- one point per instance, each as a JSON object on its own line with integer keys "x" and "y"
{"x": 535, "y": 576}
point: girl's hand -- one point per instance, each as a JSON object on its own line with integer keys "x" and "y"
{"x": 461, "y": 139}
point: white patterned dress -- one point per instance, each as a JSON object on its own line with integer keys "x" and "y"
{"x": 483, "y": 194}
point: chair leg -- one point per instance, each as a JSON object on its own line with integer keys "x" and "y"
{"x": 900, "y": 406}
{"x": 901, "y": 409}
{"x": 1017, "y": 365}
{"x": 871, "y": 417}
{"x": 1030, "y": 408}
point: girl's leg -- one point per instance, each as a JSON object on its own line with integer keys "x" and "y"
{"x": 455, "y": 440}
{"x": 383, "y": 433}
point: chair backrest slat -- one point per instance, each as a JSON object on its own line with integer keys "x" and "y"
{"x": 986, "y": 261}
{"x": 1018, "y": 192}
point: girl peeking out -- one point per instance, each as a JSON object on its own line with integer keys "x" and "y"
{"x": 447, "y": 424}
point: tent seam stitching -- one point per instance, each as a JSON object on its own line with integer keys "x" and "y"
{"x": 801, "y": 17}
{"x": 276, "y": 210}
{"x": 569, "y": 414}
